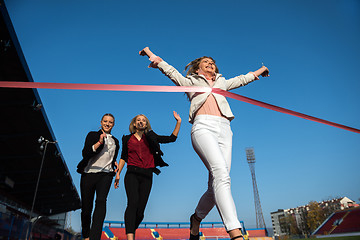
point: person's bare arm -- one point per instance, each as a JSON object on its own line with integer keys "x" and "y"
{"x": 118, "y": 171}
{"x": 178, "y": 123}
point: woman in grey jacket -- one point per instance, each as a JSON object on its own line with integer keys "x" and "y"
{"x": 211, "y": 134}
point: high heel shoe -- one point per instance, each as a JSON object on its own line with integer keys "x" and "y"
{"x": 194, "y": 237}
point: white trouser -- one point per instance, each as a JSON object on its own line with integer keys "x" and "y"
{"x": 212, "y": 140}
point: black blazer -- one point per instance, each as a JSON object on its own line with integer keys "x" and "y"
{"x": 154, "y": 141}
{"x": 87, "y": 152}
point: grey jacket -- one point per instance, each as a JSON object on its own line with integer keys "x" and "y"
{"x": 197, "y": 99}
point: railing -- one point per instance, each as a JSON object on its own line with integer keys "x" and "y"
{"x": 164, "y": 224}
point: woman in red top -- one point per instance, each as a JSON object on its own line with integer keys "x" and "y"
{"x": 141, "y": 151}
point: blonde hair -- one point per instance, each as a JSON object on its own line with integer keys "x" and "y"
{"x": 194, "y": 65}
{"x": 132, "y": 128}
{"x": 108, "y": 114}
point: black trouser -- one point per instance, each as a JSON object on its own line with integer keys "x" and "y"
{"x": 138, "y": 182}
{"x": 90, "y": 184}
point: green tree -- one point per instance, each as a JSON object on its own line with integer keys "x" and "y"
{"x": 294, "y": 230}
{"x": 315, "y": 215}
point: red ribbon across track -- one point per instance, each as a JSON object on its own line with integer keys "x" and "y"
{"x": 148, "y": 88}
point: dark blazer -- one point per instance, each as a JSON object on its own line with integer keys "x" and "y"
{"x": 87, "y": 152}
{"x": 154, "y": 141}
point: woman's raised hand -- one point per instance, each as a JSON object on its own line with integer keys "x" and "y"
{"x": 145, "y": 52}
{"x": 265, "y": 72}
{"x": 155, "y": 60}
{"x": 178, "y": 123}
{"x": 177, "y": 116}
{"x": 102, "y": 136}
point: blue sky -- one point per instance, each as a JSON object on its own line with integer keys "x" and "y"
{"x": 311, "y": 48}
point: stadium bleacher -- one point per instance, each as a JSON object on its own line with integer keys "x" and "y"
{"x": 176, "y": 231}
{"x": 346, "y": 222}
{"x": 119, "y": 233}
{"x": 328, "y": 225}
{"x": 171, "y": 233}
{"x": 214, "y": 232}
{"x": 256, "y": 233}
{"x": 350, "y": 222}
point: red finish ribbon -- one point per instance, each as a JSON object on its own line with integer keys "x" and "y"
{"x": 282, "y": 110}
{"x": 106, "y": 87}
{"x": 147, "y": 88}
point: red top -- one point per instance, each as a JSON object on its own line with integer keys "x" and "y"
{"x": 139, "y": 154}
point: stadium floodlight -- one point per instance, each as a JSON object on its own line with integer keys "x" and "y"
{"x": 250, "y": 156}
{"x": 43, "y": 146}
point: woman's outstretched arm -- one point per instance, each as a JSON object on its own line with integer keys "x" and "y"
{"x": 164, "y": 67}
{"x": 174, "y": 134}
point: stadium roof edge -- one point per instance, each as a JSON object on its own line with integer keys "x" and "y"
{"x": 21, "y": 157}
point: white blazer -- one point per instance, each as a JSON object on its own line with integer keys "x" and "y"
{"x": 197, "y": 99}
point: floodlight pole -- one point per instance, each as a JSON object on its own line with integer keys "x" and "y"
{"x": 250, "y": 156}
{"x": 44, "y": 143}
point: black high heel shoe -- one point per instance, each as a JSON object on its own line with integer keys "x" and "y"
{"x": 194, "y": 237}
